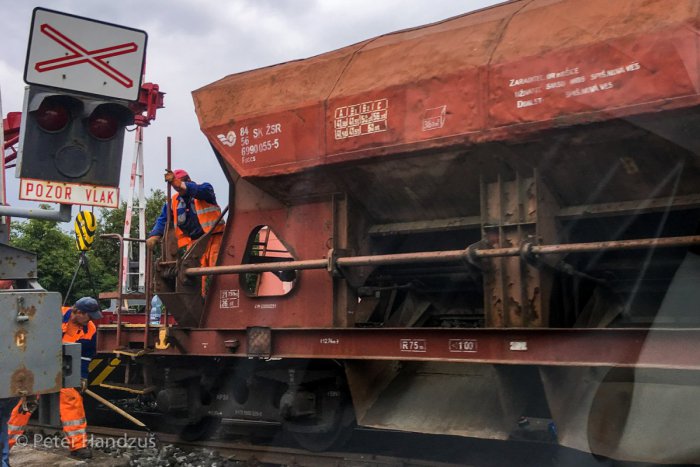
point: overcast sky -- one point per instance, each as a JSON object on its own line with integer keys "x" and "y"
{"x": 194, "y": 42}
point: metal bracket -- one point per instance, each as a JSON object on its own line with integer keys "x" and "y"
{"x": 71, "y": 365}
{"x": 163, "y": 337}
{"x": 63, "y": 214}
{"x": 470, "y": 254}
{"x": 133, "y": 355}
{"x": 259, "y": 342}
{"x": 22, "y": 316}
{"x": 333, "y": 255}
{"x": 527, "y": 256}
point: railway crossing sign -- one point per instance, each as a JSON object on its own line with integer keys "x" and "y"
{"x": 85, "y": 55}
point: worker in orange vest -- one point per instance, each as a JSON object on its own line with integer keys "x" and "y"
{"x": 6, "y": 405}
{"x": 77, "y": 327}
{"x": 5, "y": 410}
{"x": 195, "y": 210}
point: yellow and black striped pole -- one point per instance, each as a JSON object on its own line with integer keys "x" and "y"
{"x": 85, "y": 228}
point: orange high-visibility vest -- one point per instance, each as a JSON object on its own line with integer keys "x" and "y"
{"x": 207, "y": 214}
{"x": 72, "y": 333}
{"x": 70, "y": 401}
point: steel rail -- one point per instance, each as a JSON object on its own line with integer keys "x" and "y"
{"x": 468, "y": 255}
{"x": 245, "y": 452}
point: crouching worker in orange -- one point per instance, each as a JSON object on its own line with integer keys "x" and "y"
{"x": 195, "y": 210}
{"x": 77, "y": 327}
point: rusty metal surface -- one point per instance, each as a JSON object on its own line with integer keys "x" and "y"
{"x": 477, "y": 77}
{"x": 306, "y": 231}
{"x": 515, "y": 213}
{"x": 30, "y": 342}
{"x": 16, "y": 263}
{"x": 657, "y": 348}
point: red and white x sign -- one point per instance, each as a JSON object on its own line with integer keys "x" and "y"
{"x": 81, "y": 55}
{"x": 85, "y": 55}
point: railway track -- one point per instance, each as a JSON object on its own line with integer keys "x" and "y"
{"x": 365, "y": 447}
{"x": 368, "y": 448}
{"x": 156, "y": 448}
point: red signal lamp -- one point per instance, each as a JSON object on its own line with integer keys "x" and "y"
{"x": 102, "y": 124}
{"x": 52, "y": 116}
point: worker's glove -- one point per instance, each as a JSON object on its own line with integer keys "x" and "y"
{"x": 29, "y": 405}
{"x": 169, "y": 176}
{"x": 172, "y": 179}
{"x": 151, "y": 242}
{"x": 83, "y": 385}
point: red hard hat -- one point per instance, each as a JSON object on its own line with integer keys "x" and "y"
{"x": 181, "y": 174}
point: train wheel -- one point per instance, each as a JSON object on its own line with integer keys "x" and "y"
{"x": 336, "y": 436}
{"x": 202, "y": 429}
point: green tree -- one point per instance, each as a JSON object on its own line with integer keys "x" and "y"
{"x": 57, "y": 258}
{"x": 112, "y": 221}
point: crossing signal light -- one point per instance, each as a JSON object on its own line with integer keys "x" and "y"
{"x": 74, "y": 138}
{"x": 52, "y": 116}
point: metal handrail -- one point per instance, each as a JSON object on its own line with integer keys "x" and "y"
{"x": 120, "y": 286}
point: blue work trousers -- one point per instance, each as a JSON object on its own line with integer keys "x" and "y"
{"x": 6, "y": 406}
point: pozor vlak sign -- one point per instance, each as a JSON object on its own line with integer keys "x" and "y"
{"x": 68, "y": 193}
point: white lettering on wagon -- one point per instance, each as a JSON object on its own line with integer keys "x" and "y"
{"x": 361, "y": 119}
{"x": 526, "y": 80}
{"x": 229, "y": 298}
{"x": 462, "y": 345}
{"x": 434, "y": 118}
{"x": 518, "y": 346}
{"x": 571, "y": 82}
{"x": 413, "y": 345}
{"x": 527, "y": 91}
{"x": 258, "y": 139}
{"x": 529, "y": 102}
{"x": 329, "y": 340}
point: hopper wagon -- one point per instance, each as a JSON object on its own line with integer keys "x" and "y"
{"x": 465, "y": 228}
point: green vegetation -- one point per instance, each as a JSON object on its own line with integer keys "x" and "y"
{"x": 58, "y": 256}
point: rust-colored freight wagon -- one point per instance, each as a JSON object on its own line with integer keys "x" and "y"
{"x": 448, "y": 228}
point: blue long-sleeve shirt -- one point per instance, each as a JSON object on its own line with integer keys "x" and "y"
{"x": 187, "y": 218}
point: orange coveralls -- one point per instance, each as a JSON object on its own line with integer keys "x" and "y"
{"x": 71, "y": 401}
{"x": 207, "y": 213}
